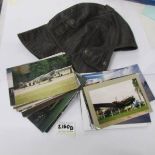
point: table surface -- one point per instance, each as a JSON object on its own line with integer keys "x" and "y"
{"x": 19, "y": 136}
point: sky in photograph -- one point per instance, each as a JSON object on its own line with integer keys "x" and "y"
{"x": 118, "y": 91}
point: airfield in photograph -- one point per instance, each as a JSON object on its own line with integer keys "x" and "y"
{"x": 45, "y": 86}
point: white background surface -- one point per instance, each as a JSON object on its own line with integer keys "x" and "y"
{"x": 18, "y": 136}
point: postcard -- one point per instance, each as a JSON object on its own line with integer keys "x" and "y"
{"x": 45, "y": 118}
{"x": 96, "y": 77}
{"x": 41, "y": 106}
{"x": 42, "y": 90}
{"x": 88, "y": 125}
{"x": 39, "y": 82}
{"x": 117, "y": 100}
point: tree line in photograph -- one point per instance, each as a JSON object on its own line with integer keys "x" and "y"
{"x": 126, "y": 104}
{"x": 31, "y": 71}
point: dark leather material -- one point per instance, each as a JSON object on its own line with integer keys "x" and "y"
{"x": 88, "y": 32}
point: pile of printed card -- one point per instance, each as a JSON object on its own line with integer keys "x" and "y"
{"x": 43, "y": 89}
{"x": 116, "y": 98}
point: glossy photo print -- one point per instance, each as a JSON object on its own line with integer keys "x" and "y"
{"x": 97, "y": 77}
{"x": 116, "y": 100}
{"x": 36, "y": 83}
{"x": 45, "y": 118}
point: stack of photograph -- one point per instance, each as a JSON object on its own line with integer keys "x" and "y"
{"x": 42, "y": 90}
{"x": 115, "y": 99}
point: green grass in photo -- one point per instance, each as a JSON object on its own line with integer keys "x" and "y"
{"x": 52, "y": 89}
{"x": 122, "y": 114}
